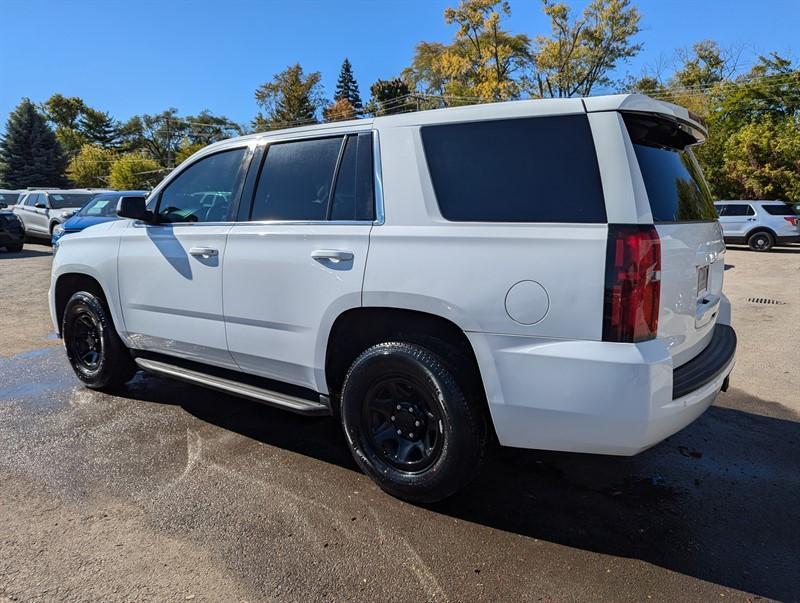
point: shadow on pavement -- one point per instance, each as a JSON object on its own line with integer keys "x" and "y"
{"x": 718, "y": 501}
{"x": 25, "y": 253}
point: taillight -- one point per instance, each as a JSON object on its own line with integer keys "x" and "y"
{"x": 791, "y": 220}
{"x": 633, "y": 283}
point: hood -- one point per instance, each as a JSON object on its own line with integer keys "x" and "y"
{"x": 81, "y": 222}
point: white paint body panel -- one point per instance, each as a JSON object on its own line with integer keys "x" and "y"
{"x": 268, "y": 306}
{"x": 280, "y": 302}
{"x": 172, "y": 300}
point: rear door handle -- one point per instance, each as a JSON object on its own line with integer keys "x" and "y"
{"x": 204, "y": 252}
{"x": 332, "y": 254}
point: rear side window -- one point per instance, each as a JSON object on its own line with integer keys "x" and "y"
{"x": 737, "y": 210}
{"x": 675, "y": 185}
{"x": 779, "y": 210}
{"x": 316, "y": 180}
{"x": 541, "y": 169}
{"x": 353, "y": 197}
{"x": 296, "y": 180}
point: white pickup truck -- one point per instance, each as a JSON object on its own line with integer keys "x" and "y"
{"x": 541, "y": 274}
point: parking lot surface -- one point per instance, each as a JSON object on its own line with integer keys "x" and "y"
{"x": 169, "y": 492}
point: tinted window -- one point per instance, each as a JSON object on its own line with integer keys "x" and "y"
{"x": 9, "y": 198}
{"x": 540, "y": 169}
{"x": 203, "y": 192}
{"x": 296, "y": 180}
{"x": 737, "y": 210}
{"x": 64, "y": 200}
{"x": 32, "y": 199}
{"x": 779, "y": 210}
{"x": 353, "y": 194}
{"x": 675, "y": 185}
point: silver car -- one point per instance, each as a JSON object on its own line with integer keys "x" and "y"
{"x": 759, "y": 224}
{"x": 42, "y": 210}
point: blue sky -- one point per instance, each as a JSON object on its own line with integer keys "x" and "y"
{"x": 142, "y": 56}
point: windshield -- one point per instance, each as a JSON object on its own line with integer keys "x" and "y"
{"x": 64, "y": 200}
{"x": 103, "y": 206}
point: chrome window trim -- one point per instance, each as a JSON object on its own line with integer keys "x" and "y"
{"x": 380, "y": 215}
{"x": 257, "y": 223}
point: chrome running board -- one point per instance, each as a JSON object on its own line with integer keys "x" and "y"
{"x": 244, "y": 390}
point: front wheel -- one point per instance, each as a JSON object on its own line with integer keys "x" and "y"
{"x": 409, "y": 424}
{"x": 761, "y": 241}
{"x": 95, "y": 351}
{"x": 15, "y": 248}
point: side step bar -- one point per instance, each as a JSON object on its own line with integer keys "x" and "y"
{"x": 301, "y": 406}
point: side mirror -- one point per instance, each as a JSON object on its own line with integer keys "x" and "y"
{"x": 40, "y": 205}
{"x": 133, "y": 208}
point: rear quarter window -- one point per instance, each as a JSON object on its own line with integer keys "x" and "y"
{"x": 779, "y": 210}
{"x": 541, "y": 169}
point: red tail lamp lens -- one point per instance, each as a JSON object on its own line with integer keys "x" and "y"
{"x": 633, "y": 283}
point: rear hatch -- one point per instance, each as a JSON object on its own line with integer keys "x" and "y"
{"x": 692, "y": 248}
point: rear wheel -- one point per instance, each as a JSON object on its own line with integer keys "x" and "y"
{"x": 95, "y": 351}
{"x": 409, "y": 425}
{"x": 761, "y": 241}
{"x": 17, "y": 247}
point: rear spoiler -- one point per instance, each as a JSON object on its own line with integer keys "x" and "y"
{"x": 684, "y": 119}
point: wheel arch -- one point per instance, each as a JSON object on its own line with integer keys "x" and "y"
{"x": 69, "y": 283}
{"x": 357, "y": 329}
{"x": 758, "y": 229}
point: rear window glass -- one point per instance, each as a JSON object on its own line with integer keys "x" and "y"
{"x": 9, "y": 198}
{"x": 779, "y": 210}
{"x": 675, "y": 185}
{"x": 541, "y": 169}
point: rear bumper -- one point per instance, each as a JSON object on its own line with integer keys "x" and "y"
{"x": 594, "y": 396}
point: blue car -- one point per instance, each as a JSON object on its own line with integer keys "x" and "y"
{"x": 100, "y": 208}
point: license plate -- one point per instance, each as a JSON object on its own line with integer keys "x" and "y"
{"x": 702, "y": 279}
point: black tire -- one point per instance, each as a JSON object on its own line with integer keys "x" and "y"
{"x": 16, "y": 248}
{"x": 95, "y": 351}
{"x": 761, "y": 241}
{"x": 397, "y": 387}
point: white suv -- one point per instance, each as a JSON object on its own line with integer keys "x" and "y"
{"x": 759, "y": 224}
{"x": 545, "y": 274}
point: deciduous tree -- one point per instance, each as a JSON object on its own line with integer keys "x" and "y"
{"x": 91, "y": 167}
{"x": 581, "y": 53}
{"x": 134, "y": 171}
{"x": 339, "y": 110}
{"x": 481, "y": 61}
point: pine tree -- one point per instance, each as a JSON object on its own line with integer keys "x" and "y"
{"x": 30, "y": 155}
{"x": 347, "y": 87}
{"x": 99, "y": 128}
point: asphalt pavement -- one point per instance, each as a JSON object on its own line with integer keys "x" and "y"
{"x": 168, "y": 492}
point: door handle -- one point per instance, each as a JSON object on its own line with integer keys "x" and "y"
{"x": 204, "y": 252}
{"x": 332, "y": 254}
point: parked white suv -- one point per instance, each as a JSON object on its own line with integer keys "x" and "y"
{"x": 41, "y": 210}
{"x": 547, "y": 273}
{"x": 759, "y": 224}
